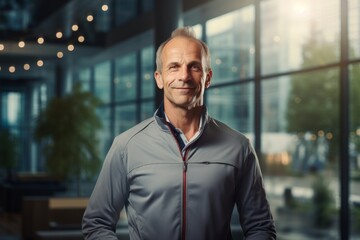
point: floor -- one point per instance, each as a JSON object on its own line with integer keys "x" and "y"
{"x": 10, "y": 226}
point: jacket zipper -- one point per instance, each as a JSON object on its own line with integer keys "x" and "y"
{"x": 184, "y": 202}
{"x": 183, "y": 211}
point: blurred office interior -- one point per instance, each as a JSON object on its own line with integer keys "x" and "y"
{"x": 286, "y": 73}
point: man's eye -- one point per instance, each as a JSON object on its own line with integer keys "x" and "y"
{"x": 173, "y": 67}
{"x": 196, "y": 67}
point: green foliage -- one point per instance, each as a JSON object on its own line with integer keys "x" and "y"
{"x": 68, "y": 128}
{"x": 8, "y": 151}
{"x": 356, "y": 218}
{"x": 324, "y": 203}
{"x": 314, "y": 97}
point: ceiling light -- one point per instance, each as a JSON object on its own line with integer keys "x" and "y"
{"x": 2, "y": 46}
{"x": 90, "y": 18}
{"x": 60, "y": 54}
{"x": 81, "y": 38}
{"x": 26, "y": 66}
{"x": 59, "y": 34}
{"x": 21, "y": 44}
{"x": 12, "y": 69}
{"x": 105, "y": 7}
{"x": 40, "y": 40}
{"x": 71, "y": 47}
{"x": 75, "y": 27}
{"x": 40, "y": 63}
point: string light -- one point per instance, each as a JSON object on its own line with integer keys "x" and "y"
{"x": 60, "y": 54}
{"x": 90, "y": 18}
{"x": 59, "y": 35}
{"x": 40, "y": 63}
{"x": 71, "y": 47}
{"x": 12, "y": 69}
{"x": 75, "y": 27}
{"x": 26, "y": 66}
{"x": 81, "y": 38}
{"x": 21, "y": 44}
{"x": 105, "y": 7}
{"x": 40, "y": 40}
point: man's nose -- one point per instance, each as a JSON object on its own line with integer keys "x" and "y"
{"x": 184, "y": 73}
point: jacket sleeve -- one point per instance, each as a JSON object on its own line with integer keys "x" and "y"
{"x": 107, "y": 199}
{"x": 254, "y": 211}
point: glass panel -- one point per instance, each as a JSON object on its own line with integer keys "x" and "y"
{"x": 354, "y": 28}
{"x": 147, "y": 73}
{"x": 84, "y": 77}
{"x": 125, "y": 77}
{"x": 293, "y": 30}
{"x": 12, "y": 109}
{"x": 231, "y": 40}
{"x": 233, "y": 105}
{"x": 355, "y": 150}
{"x": 102, "y": 81}
{"x": 300, "y": 133}
{"x": 147, "y": 110}
{"x": 105, "y": 137}
{"x": 125, "y": 118}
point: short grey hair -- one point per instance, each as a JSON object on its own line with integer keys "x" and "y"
{"x": 187, "y": 32}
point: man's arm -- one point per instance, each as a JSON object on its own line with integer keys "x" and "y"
{"x": 107, "y": 199}
{"x": 254, "y": 211}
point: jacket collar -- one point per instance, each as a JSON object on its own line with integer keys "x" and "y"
{"x": 160, "y": 118}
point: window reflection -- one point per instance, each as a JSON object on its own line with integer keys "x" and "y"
{"x": 234, "y": 105}
{"x": 231, "y": 40}
{"x": 354, "y": 149}
{"x": 84, "y": 77}
{"x": 354, "y": 28}
{"x": 105, "y": 135}
{"x": 147, "y": 71}
{"x": 125, "y": 118}
{"x": 300, "y": 119}
{"x": 290, "y": 26}
{"x": 12, "y": 109}
{"x": 102, "y": 81}
{"x": 125, "y": 77}
{"x": 147, "y": 110}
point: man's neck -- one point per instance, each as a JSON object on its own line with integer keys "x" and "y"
{"x": 186, "y": 120}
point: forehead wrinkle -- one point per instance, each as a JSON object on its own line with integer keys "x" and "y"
{"x": 177, "y": 55}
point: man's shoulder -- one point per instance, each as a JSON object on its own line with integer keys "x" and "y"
{"x": 133, "y": 131}
{"x": 222, "y": 129}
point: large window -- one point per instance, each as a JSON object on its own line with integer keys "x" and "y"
{"x": 234, "y": 105}
{"x": 231, "y": 40}
{"x": 292, "y": 31}
{"x": 354, "y": 147}
{"x": 125, "y": 118}
{"x": 147, "y": 84}
{"x": 354, "y": 28}
{"x": 103, "y": 81}
{"x": 125, "y": 78}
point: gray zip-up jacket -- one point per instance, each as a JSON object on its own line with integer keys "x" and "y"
{"x": 171, "y": 196}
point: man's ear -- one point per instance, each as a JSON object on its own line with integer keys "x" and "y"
{"x": 158, "y": 79}
{"x": 208, "y": 78}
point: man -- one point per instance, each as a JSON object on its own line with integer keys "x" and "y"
{"x": 180, "y": 173}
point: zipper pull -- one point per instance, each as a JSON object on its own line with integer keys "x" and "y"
{"x": 185, "y": 166}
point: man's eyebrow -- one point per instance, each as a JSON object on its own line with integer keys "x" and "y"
{"x": 172, "y": 64}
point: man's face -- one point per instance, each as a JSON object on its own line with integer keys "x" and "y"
{"x": 183, "y": 76}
